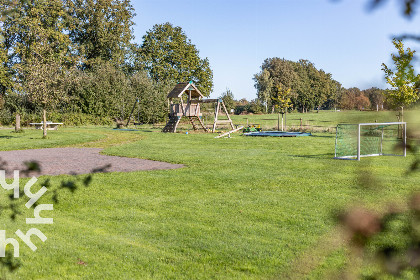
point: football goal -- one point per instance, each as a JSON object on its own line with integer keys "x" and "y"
{"x": 353, "y": 141}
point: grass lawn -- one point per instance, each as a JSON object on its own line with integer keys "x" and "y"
{"x": 254, "y": 208}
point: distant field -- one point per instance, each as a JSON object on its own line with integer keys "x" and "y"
{"x": 242, "y": 208}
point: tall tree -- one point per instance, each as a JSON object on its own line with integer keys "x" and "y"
{"x": 403, "y": 81}
{"x": 376, "y": 97}
{"x": 264, "y": 86}
{"x": 170, "y": 57}
{"x": 39, "y": 50}
{"x": 281, "y": 98}
{"x": 101, "y": 29}
{"x": 309, "y": 86}
{"x": 5, "y": 74}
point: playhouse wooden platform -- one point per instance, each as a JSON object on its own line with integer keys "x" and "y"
{"x": 185, "y": 100}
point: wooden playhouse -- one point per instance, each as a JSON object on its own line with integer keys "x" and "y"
{"x": 184, "y": 101}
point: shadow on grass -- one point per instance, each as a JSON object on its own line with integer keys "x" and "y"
{"x": 7, "y": 137}
{"x": 323, "y": 136}
{"x": 322, "y": 156}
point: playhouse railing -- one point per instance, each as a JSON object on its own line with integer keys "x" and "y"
{"x": 188, "y": 110}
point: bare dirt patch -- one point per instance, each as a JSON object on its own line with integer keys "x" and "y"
{"x": 74, "y": 161}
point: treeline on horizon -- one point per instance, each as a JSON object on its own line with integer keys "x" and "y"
{"x": 79, "y": 60}
{"x": 311, "y": 88}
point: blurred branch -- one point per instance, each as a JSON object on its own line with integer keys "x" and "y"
{"x": 409, "y": 6}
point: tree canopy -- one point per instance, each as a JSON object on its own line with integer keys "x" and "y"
{"x": 170, "y": 57}
{"x": 309, "y": 87}
{"x": 403, "y": 81}
{"x": 101, "y": 29}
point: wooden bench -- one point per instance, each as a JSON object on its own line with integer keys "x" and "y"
{"x": 50, "y": 125}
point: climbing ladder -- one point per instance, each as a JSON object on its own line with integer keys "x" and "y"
{"x": 192, "y": 118}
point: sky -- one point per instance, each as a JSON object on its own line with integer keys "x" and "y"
{"x": 342, "y": 37}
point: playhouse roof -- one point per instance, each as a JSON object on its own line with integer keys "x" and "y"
{"x": 180, "y": 88}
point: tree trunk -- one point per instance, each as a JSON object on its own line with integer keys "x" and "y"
{"x": 402, "y": 113}
{"x": 285, "y": 120}
{"x": 282, "y": 127}
{"x": 44, "y": 124}
{"x": 17, "y": 124}
{"x": 402, "y": 120}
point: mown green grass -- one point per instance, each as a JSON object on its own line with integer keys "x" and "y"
{"x": 240, "y": 208}
{"x": 32, "y": 139}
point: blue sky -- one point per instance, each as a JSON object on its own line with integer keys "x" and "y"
{"x": 340, "y": 37}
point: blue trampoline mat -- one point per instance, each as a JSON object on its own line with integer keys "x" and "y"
{"x": 125, "y": 129}
{"x": 277, "y": 134}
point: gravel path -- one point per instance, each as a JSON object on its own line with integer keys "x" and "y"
{"x": 56, "y": 161}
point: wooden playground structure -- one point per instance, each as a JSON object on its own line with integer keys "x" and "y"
{"x": 185, "y": 100}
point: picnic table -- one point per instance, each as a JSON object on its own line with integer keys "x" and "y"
{"x": 50, "y": 125}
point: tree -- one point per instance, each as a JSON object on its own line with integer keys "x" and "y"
{"x": 309, "y": 86}
{"x": 101, "y": 29}
{"x": 45, "y": 81}
{"x": 103, "y": 91}
{"x": 16, "y": 103}
{"x": 170, "y": 57}
{"x": 5, "y": 75}
{"x": 376, "y": 97}
{"x": 403, "y": 81}
{"x": 264, "y": 85}
{"x": 152, "y": 98}
{"x": 40, "y": 51}
{"x": 281, "y": 100}
{"x": 228, "y": 99}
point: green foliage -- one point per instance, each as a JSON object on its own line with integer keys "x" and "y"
{"x": 281, "y": 98}
{"x": 376, "y": 96}
{"x": 152, "y": 105}
{"x": 310, "y": 87}
{"x": 403, "y": 81}
{"x": 16, "y": 102}
{"x": 107, "y": 92}
{"x": 103, "y": 91}
{"x": 101, "y": 29}
{"x": 256, "y": 107}
{"x": 228, "y": 99}
{"x": 40, "y": 51}
{"x": 170, "y": 57}
{"x": 5, "y": 75}
{"x": 264, "y": 86}
{"x": 35, "y": 36}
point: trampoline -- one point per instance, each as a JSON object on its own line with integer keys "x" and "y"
{"x": 125, "y": 129}
{"x": 277, "y": 134}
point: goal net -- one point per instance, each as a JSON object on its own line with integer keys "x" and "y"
{"x": 354, "y": 141}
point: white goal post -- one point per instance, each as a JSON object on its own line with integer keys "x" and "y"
{"x": 353, "y": 141}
